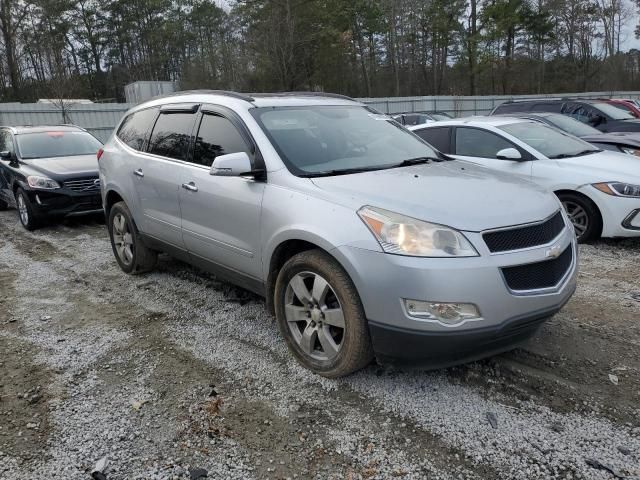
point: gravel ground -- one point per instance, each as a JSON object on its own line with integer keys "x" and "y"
{"x": 172, "y": 371}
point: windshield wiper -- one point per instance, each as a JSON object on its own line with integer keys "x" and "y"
{"x": 577, "y": 154}
{"x": 416, "y": 161}
{"x": 342, "y": 171}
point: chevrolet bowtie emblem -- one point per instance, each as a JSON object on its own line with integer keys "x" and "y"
{"x": 553, "y": 252}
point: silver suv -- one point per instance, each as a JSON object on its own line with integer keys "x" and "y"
{"x": 365, "y": 241}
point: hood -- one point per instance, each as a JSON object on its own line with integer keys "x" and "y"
{"x": 77, "y": 166}
{"x": 454, "y": 193}
{"x": 604, "y": 166}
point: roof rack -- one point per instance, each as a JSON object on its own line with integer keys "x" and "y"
{"x": 226, "y": 93}
{"x": 303, "y": 94}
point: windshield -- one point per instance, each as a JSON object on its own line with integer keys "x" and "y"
{"x": 572, "y": 126}
{"x": 552, "y": 143}
{"x": 441, "y": 116}
{"x": 613, "y": 112}
{"x": 56, "y": 144}
{"x": 329, "y": 139}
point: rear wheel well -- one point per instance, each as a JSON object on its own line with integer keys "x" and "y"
{"x": 111, "y": 199}
{"x": 281, "y": 254}
{"x": 559, "y": 193}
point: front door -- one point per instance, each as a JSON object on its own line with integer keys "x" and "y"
{"x": 221, "y": 215}
{"x": 6, "y": 145}
{"x": 481, "y": 146}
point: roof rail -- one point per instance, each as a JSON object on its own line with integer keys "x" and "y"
{"x": 226, "y": 93}
{"x": 303, "y": 94}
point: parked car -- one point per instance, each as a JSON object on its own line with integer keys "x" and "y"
{"x": 600, "y": 190}
{"x": 49, "y": 172}
{"x": 622, "y": 142}
{"x": 597, "y": 113}
{"x": 306, "y": 199}
{"x": 627, "y": 105}
{"x": 419, "y": 118}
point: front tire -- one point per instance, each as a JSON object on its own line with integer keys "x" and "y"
{"x": 131, "y": 253}
{"x": 584, "y": 216}
{"x": 26, "y": 213}
{"x": 319, "y": 313}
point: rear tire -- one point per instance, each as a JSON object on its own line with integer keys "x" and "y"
{"x": 320, "y": 316}
{"x": 28, "y": 218}
{"x": 584, "y": 215}
{"x": 131, "y": 253}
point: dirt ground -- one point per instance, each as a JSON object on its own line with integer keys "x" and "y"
{"x": 172, "y": 371}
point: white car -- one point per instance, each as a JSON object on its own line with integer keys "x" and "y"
{"x": 599, "y": 189}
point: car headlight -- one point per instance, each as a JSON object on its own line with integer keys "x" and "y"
{"x": 403, "y": 235}
{"x": 631, "y": 151}
{"x": 619, "y": 189}
{"x": 42, "y": 182}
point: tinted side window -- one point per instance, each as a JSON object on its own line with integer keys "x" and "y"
{"x": 436, "y": 137}
{"x": 135, "y": 128}
{"x": 217, "y": 136}
{"x": 555, "y": 107}
{"x": 6, "y": 143}
{"x": 171, "y": 135}
{"x": 479, "y": 143}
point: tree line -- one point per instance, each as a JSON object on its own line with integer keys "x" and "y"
{"x": 363, "y": 48}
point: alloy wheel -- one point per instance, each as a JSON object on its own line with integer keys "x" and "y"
{"x": 22, "y": 210}
{"x": 122, "y": 238}
{"x": 314, "y": 316}
{"x": 578, "y": 216}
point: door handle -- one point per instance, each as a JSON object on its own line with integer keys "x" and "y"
{"x": 190, "y": 186}
{"x": 138, "y": 173}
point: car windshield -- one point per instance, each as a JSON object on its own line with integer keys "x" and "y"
{"x": 572, "y": 126}
{"x": 613, "y": 112}
{"x": 330, "y": 140}
{"x": 441, "y": 116}
{"x": 56, "y": 144}
{"x": 549, "y": 141}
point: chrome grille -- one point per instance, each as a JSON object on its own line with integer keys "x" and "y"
{"x": 83, "y": 185}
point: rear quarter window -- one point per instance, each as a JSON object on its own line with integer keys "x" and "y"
{"x": 512, "y": 107}
{"x": 134, "y": 130}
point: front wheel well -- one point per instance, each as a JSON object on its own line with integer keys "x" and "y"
{"x": 281, "y": 254}
{"x": 560, "y": 193}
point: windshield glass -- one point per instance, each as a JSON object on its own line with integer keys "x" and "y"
{"x": 549, "y": 141}
{"x": 613, "y": 112}
{"x": 441, "y": 116}
{"x": 572, "y": 126}
{"x": 56, "y": 144}
{"x": 329, "y": 139}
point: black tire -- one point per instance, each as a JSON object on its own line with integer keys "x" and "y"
{"x": 584, "y": 215}
{"x": 355, "y": 350}
{"x": 26, "y": 214}
{"x": 131, "y": 253}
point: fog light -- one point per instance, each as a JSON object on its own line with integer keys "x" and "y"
{"x": 633, "y": 220}
{"x": 451, "y": 313}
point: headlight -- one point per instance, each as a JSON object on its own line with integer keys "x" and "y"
{"x": 403, "y": 235}
{"x": 619, "y": 189}
{"x": 42, "y": 182}
{"x": 631, "y": 151}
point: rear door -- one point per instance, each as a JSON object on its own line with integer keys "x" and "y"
{"x": 158, "y": 177}
{"x": 221, "y": 215}
{"x": 481, "y": 146}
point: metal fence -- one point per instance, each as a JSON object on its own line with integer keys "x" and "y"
{"x": 101, "y": 118}
{"x": 468, "y": 105}
{"x": 98, "y": 118}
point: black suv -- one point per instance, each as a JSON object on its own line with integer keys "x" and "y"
{"x": 49, "y": 172}
{"x": 603, "y": 116}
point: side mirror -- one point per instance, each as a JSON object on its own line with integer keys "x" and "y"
{"x": 231, "y": 165}
{"x": 5, "y": 155}
{"x": 596, "y": 120}
{"x": 509, "y": 154}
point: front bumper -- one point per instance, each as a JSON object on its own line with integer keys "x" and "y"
{"x": 64, "y": 203}
{"x": 507, "y": 317}
{"x": 620, "y": 217}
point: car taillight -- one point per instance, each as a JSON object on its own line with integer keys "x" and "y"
{"x": 99, "y": 154}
